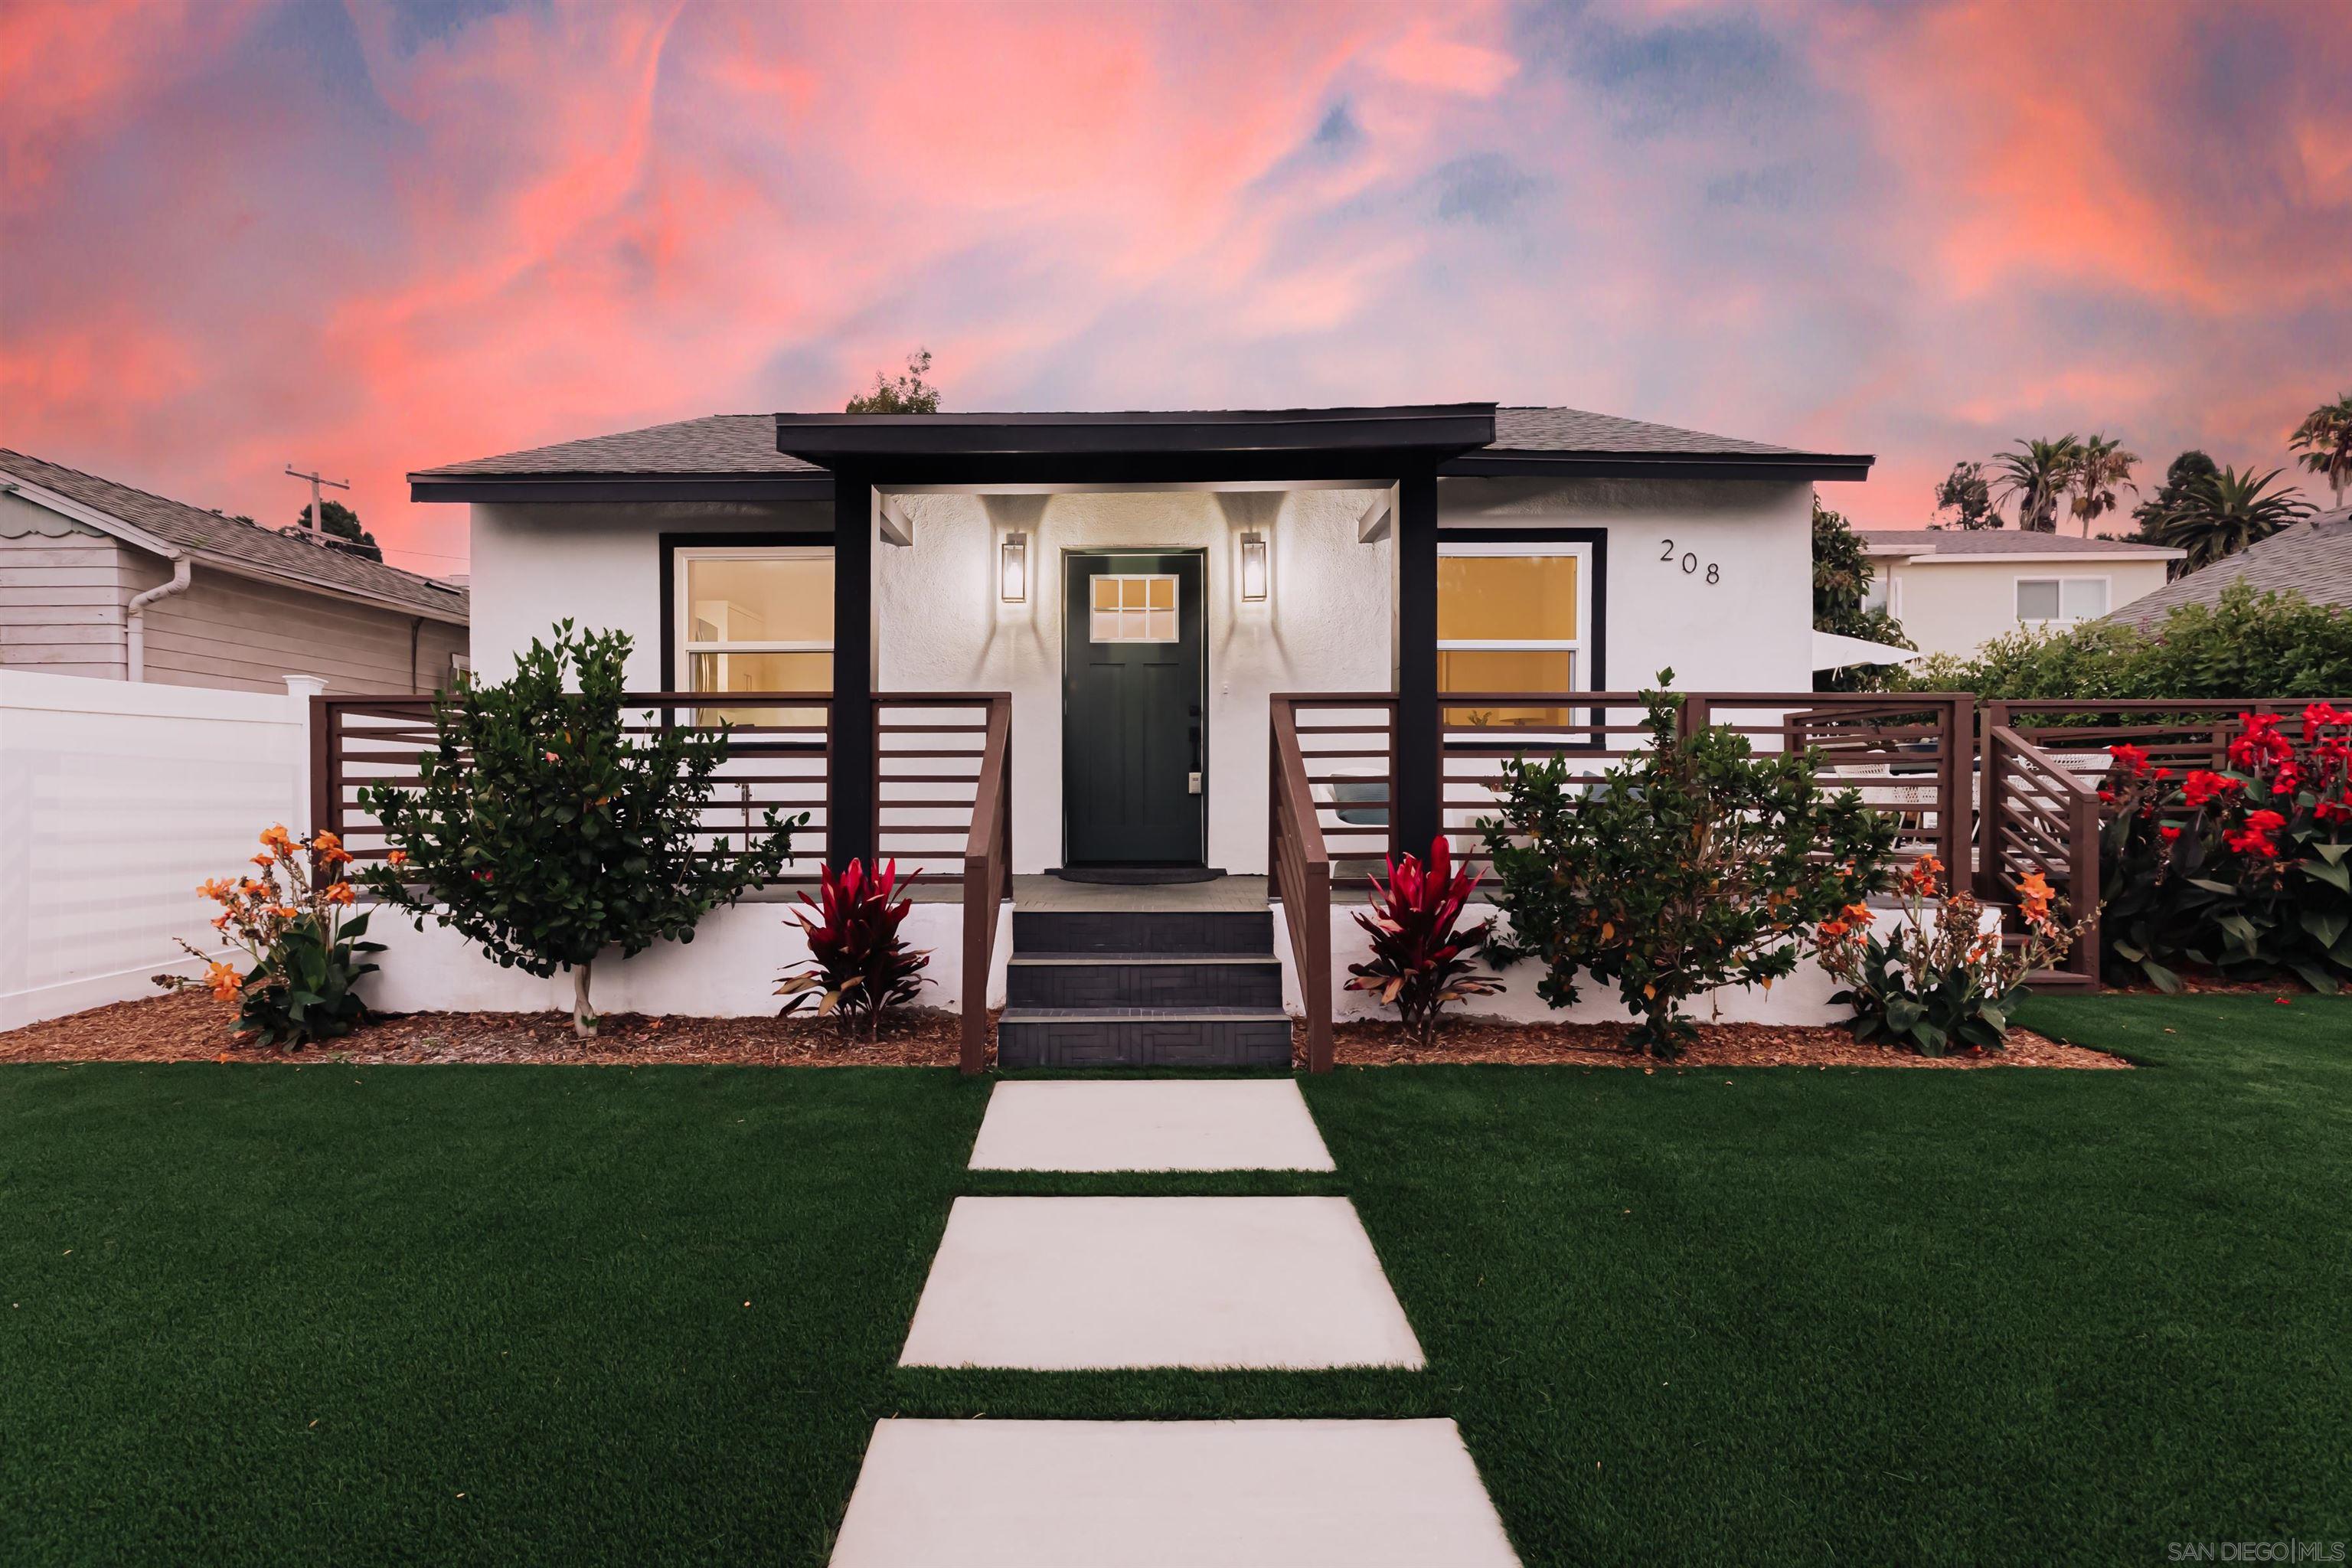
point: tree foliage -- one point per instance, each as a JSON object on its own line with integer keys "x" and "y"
{"x": 2247, "y": 646}
{"x": 1842, "y": 576}
{"x": 2323, "y": 443}
{"x": 1964, "y": 499}
{"x": 2035, "y": 475}
{"x": 339, "y": 521}
{"x": 2100, "y": 465}
{"x": 907, "y": 394}
{"x": 542, "y": 832}
{"x": 2218, "y": 517}
{"x": 1692, "y": 864}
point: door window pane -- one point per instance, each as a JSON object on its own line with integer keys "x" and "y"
{"x": 1514, "y": 598}
{"x": 2037, "y": 599}
{"x": 1137, "y": 607}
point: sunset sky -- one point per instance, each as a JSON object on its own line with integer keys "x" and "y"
{"x": 376, "y": 237}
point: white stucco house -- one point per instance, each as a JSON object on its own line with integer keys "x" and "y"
{"x": 1126, "y": 648}
{"x": 1956, "y": 589}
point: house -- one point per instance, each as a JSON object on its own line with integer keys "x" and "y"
{"x": 1136, "y": 647}
{"x": 104, "y": 580}
{"x": 2312, "y": 558}
{"x": 1954, "y": 589}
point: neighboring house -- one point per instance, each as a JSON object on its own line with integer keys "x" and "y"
{"x": 99, "y": 579}
{"x": 1142, "y": 583}
{"x": 2313, "y": 558}
{"x": 1954, "y": 589}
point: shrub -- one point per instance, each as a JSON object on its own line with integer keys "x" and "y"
{"x": 1939, "y": 981}
{"x": 2247, "y": 644}
{"x": 859, "y": 966}
{"x": 542, "y": 831}
{"x": 2247, "y": 869}
{"x": 1692, "y": 864}
{"x": 1417, "y": 964}
{"x": 304, "y": 949}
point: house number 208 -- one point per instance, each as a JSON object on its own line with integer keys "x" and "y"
{"x": 1690, "y": 562}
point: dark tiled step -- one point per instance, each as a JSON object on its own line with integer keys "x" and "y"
{"x": 1142, "y": 1036}
{"x": 1143, "y": 931}
{"x": 1143, "y": 980}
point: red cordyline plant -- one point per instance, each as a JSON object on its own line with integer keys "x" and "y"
{"x": 859, "y": 966}
{"x": 1417, "y": 964}
{"x": 2246, "y": 869}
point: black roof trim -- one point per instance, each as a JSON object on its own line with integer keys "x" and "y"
{"x": 1498, "y": 463}
{"x": 868, "y": 439}
{"x": 590, "y": 487}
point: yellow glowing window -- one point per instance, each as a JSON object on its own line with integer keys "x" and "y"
{"x": 1137, "y": 606}
{"x": 755, "y": 620}
{"x": 1511, "y": 621}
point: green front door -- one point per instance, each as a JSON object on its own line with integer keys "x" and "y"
{"x": 1134, "y": 725}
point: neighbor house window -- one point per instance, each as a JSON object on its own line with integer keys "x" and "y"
{"x": 755, "y": 619}
{"x": 1513, "y": 616}
{"x": 1880, "y": 595}
{"x": 2043, "y": 600}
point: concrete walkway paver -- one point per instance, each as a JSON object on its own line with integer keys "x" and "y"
{"x": 1170, "y": 1494}
{"x": 1057, "y": 1284}
{"x": 1149, "y": 1124}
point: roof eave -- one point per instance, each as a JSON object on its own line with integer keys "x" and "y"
{"x": 1496, "y": 462}
{"x": 573, "y": 489}
{"x": 868, "y": 440}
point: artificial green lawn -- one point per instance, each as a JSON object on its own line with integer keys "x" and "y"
{"x": 253, "y": 1312}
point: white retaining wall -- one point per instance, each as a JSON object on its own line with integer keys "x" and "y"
{"x": 1803, "y": 998}
{"x": 727, "y": 971}
{"x": 117, "y": 798}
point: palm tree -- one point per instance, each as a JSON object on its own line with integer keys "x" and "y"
{"x": 2100, "y": 465}
{"x": 2226, "y": 513}
{"x": 2324, "y": 439}
{"x": 2036, "y": 474}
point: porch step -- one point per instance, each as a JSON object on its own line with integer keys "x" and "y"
{"x": 1142, "y": 1036}
{"x": 1199, "y": 932}
{"x": 1144, "y": 980}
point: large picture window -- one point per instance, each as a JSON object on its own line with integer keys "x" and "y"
{"x": 754, "y": 618}
{"x": 1513, "y": 616}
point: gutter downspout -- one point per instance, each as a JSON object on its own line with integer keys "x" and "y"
{"x": 137, "y": 621}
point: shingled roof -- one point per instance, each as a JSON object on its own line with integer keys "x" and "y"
{"x": 248, "y": 546}
{"x": 736, "y": 454}
{"x": 1952, "y": 542}
{"x": 2313, "y": 558}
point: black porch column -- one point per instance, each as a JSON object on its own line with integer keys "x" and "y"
{"x": 1417, "y": 787}
{"x": 849, "y": 825}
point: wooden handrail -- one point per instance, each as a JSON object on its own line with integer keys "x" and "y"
{"x": 2007, "y": 753}
{"x": 1300, "y": 869}
{"x": 987, "y": 878}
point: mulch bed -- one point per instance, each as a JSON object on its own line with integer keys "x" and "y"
{"x": 1720, "y": 1045}
{"x": 190, "y": 1027}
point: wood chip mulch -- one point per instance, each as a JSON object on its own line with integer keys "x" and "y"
{"x": 1470, "y": 1040}
{"x": 192, "y": 1027}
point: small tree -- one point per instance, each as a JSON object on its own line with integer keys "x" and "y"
{"x": 540, "y": 830}
{"x": 907, "y": 394}
{"x": 1691, "y": 864}
{"x": 339, "y": 522}
{"x": 1841, "y": 574}
{"x": 1966, "y": 496}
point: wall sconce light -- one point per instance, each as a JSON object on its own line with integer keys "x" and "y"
{"x": 1254, "y": 566}
{"x": 1012, "y": 568}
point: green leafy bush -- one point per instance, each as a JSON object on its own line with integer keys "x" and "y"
{"x": 1418, "y": 963}
{"x": 2246, "y": 646}
{"x": 2246, "y": 870}
{"x": 1940, "y": 980}
{"x": 304, "y": 952}
{"x": 540, "y": 830}
{"x": 859, "y": 966}
{"x": 1692, "y": 864}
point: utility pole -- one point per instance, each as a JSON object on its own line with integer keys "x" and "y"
{"x": 318, "y": 511}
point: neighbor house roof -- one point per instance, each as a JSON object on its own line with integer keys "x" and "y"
{"x": 2313, "y": 558}
{"x": 2003, "y": 544}
{"x": 736, "y": 456}
{"x": 158, "y": 522}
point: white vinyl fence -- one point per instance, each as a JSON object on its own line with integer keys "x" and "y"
{"x": 117, "y": 798}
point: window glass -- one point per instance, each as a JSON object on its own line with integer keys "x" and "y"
{"x": 1874, "y": 598}
{"x": 2083, "y": 598}
{"x": 2037, "y": 599}
{"x": 1507, "y": 670}
{"x": 1133, "y": 607}
{"x": 770, "y": 597}
{"x": 1507, "y": 597}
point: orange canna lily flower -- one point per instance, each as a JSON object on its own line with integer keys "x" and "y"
{"x": 397, "y": 857}
{"x": 275, "y": 840}
{"x": 217, "y": 889}
{"x": 221, "y": 979}
{"x": 341, "y": 893}
{"x": 284, "y": 912}
{"x": 265, "y": 861}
